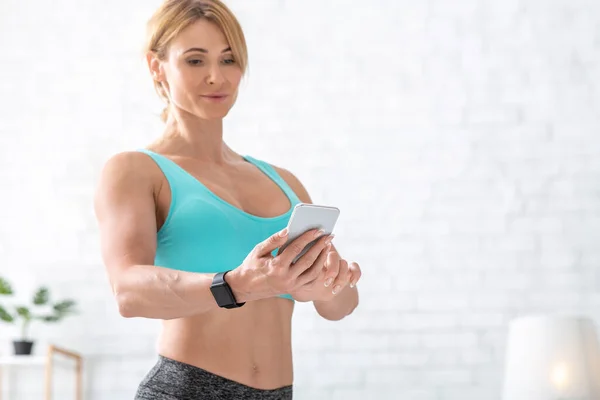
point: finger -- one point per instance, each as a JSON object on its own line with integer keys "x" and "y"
{"x": 271, "y": 243}
{"x": 342, "y": 278}
{"x": 355, "y": 274}
{"x": 316, "y": 280}
{"x": 295, "y": 246}
{"x": 316, "y": 270}
{"x": 333, "y": 267}
{"x": 309, "y": 258}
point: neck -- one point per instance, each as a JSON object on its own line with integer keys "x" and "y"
{"x": 191, "y": 136}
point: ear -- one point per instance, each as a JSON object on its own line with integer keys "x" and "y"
{"x": 155, "y": 66}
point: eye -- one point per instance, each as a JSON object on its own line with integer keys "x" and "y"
{"x": 229, "y": 61}
{"x": 194, "y": 62}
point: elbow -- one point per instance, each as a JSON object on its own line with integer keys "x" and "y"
{"x": 126, "y": 308}
{"x": 332, "y": 315}
{"x": 354, "y": 303}
{"x": 337, "y": 310}
{"x": 125, "y": 302}
{"x": 352, "y": 309}
{"x": 347, "y": 312}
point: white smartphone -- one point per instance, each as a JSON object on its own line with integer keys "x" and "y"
{"x": 306, "y": 217}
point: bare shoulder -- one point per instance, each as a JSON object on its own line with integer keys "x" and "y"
{"x": 128, "y": 166}
{"x": 294, "y": 183}
{"x": 133, "y": 163}
{"x": 125, "y": 210}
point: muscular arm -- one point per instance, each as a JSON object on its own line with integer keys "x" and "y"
{"x": 125, "y": 210}
{"x": 347, "y": 300}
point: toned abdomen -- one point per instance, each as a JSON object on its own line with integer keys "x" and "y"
{"x": 250, "y": 345}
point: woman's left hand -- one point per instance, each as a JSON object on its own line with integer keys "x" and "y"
{"x": 336, "y": 274}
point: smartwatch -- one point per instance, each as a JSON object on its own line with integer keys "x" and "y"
{"x": 222, "y": 292}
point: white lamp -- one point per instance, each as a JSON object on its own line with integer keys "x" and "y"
{"x": 552, "y": 358}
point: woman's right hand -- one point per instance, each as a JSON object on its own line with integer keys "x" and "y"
{"x": 280, "y": 275}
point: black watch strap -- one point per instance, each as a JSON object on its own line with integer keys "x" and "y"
{"x": 222, "y": 292}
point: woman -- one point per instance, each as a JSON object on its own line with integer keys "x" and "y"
{"x": 178, "y": 214}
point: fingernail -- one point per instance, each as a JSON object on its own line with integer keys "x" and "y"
{"x": 328, "y": 282}
{"x": 320, "y": 233}
{"x": 329, "y": 239}
{"x": 283, "y": 232}
{"x": 336, "y": 288}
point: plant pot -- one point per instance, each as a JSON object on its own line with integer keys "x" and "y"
{"x": 22, "y": 347}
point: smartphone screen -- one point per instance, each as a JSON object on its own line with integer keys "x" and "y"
{"x": 306, "y": 217}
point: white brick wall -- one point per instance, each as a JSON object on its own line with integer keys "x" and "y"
{"x": 459, "y": 138}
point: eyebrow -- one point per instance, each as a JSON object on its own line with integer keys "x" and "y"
{"x": 201, "y": 50}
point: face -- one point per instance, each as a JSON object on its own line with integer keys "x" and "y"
{"x": 199, "y": 73}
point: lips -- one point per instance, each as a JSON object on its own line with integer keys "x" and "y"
{"x": 215, "y": 98}
{"x": 215, "y": 95}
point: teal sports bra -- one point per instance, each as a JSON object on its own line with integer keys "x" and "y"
{"x": 204, "y": 233}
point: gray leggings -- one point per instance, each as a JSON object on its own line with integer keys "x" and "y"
{"x": 173, "y": 380}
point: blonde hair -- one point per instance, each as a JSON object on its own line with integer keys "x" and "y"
{"x": 173, "y": 16}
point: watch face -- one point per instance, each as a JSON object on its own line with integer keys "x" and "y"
{"x": 221, "y": 295}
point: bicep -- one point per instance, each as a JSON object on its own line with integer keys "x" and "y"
{"x": 125, "y": 212}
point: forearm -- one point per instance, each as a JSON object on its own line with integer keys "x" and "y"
{"x": 161, "y": 293}
{"x": 340, "y": 306}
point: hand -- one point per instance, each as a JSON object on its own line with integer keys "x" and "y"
{"x": 336, "y": 275}
{"x": 277, "y": 275}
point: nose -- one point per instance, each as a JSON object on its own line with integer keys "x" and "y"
{"x": 215, "y": 76}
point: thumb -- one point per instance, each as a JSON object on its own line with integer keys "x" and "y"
{"x": 271, "y": 243}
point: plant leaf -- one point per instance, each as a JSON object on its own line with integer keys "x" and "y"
{"x": 64, "y": 306}
{"x": 24, "y": 312}
{"x": 50, "y": 318}
{"x": 5, "y": 316}
{"x": 41, "y": 296}
{"x": 5, "y": 287}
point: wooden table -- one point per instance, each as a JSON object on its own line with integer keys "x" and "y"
{"x": 47, "y": 362}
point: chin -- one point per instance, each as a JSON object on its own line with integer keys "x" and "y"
{"x": 217, "y": 112}
{"x": 205, "y": 114}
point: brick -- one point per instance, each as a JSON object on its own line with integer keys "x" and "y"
{"x": 447, "y": 377}
{"x": 428, "y": 321}
{"x": 443, "y": 340}
{"x": 476, "y": 357}
{"x": 483, "y": 320}
{"x": 509, "y": 281}
{"x": 440, "y": 301}
{"x": 401, "y": 377}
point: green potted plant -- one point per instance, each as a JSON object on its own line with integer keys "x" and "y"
{"x": 28, "y": 314}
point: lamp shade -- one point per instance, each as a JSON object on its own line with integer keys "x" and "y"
{"x": 552, "y": 358}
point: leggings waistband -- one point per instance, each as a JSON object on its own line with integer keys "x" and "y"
{"x": 173, "y": 380}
